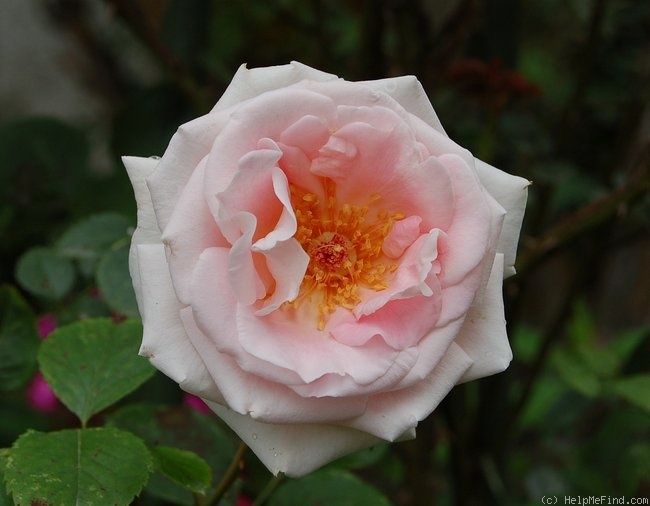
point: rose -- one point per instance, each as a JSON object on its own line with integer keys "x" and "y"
{"x": 320, "y": 263}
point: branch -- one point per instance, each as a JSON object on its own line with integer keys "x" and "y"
{"x": 587, "y": 218}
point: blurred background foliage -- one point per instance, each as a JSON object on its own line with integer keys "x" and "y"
{"x": 555, "y": 91}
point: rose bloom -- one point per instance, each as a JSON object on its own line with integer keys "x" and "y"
{"x": 320, "y": 263}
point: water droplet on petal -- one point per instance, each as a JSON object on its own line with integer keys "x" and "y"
{"x": 254, "y": 436}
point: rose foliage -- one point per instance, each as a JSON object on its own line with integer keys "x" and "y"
{"x": 320, "y": 263}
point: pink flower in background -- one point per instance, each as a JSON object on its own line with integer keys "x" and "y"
{"x": 46, "y": 324}
{"x": 320, "y": 263}
{"x": 196, "y": 403}
{"x": 40, "y": 396}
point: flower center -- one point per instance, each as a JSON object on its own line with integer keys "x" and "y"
{"x": 332, "y": 251}
{"x": 344, "y": 243}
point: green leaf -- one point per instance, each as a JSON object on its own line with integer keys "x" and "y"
{"x": 576, "y": 374}
{"x": 93, "y": 236}
{"x": 582, "y": 327}
{"x": 544, "y": 397}
{"x": 526, "y": 343}
{"x": 331, "y": 487}
{"x": 635, "y": 389}
{"x": 18, "y": 340}
{"x": 179, "y": 427}
{"x": 183, "y": 467}
{"x": 82, "y": 466}
{"x": 43, "y": 272}
{"x": 599, "y": 361}
{"x": 114, "y": 282}
{"x": 5, "y": 499}
{"x": 92, "y": 364}
{"x": 625, "y": 343}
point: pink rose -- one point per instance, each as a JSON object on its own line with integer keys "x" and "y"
{"x": 320, "y": 263}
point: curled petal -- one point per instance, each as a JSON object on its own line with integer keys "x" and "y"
{"x": 401, "y": 236}
{"x": 287, "y": 263}
{"x": 410, "y": 277}
{"x": 184, "y": 243}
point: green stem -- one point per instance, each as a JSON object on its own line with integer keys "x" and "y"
{"x": 229, "y": 477}
{"x": 269, "y": 489}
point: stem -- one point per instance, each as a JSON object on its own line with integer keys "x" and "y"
{"x": 229, "y": 477}
{"x": 269, "y": 489}
{"x": 585, "y": 219}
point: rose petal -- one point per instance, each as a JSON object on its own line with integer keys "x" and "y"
{"x": 251, "y": 191}
{"x": 294, "y": 449}
{"x": 511, "y": 192}
{"x": 147, "y": 231}
{"x": 185, "y": 243}
{"x": 214, "y": 307}
{"x": 336, "y": 385}
{"x": 164, "y": 341}
{"x": 187, "y": 148}
{"x": 243, "y": 276}
{"x": 483, "y": 336}
{"x": 287, "y": 263}
{"x": 401, "y": 323}
{"x": 468, "y": 236}
{"x": 401, "y": 236}
{"x": 409, "y": 406}
{"x": 309, "y": 134}
{"x": 250, "y": 83}
{"x": 410, "y": 278}
{"x": 263, "y": 400}
{"x": 408, "y": 92}
{"x": 266, "y": 116}
{"x": 300, "y": 347}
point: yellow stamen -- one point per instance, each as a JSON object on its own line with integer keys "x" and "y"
{"x": 344, "y": 242}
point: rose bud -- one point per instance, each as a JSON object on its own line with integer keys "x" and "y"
{"x": 320, "y": 263}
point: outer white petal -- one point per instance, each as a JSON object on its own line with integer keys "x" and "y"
{"x": 410, "y": 94}
{"x": 391, "y": 414}
{"x": 189, "y": 145}
{"x": 294, "y": 450}
{"x": 165, "y": 342}
{"x": 139, "y": 169}
{"x": 147, "y": 231}
{"x": 483, "y": 335}
{"x": 249, "y": 83}
{"x": 511, "y": 192}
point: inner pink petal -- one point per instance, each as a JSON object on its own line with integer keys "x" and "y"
{"x": 401, "y": 236}
{"x": 251, "y": 190}
{"x": 185, "y": 244}
{"x": 410, "y": 277}
{"x": 298, "y": 346}
{"x": 309, "y": 133}
{"x": 468, "y": 236}
{"x": 401, "y": 323}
